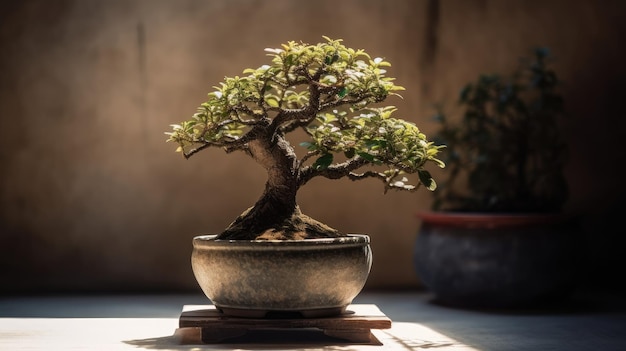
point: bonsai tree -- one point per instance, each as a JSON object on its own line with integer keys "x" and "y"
{"x": 506, "y": 154}
{"x": 332, "y": 94}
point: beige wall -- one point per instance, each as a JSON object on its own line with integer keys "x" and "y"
{"x": 92, "y": 198}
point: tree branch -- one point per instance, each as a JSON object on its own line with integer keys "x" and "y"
{"x": 229, "y": 145}
{"x": 340, "y": 102}
{"x": 368, "y": 174}
{"x": 188, "y": 154}
{"x": 247, "y": 111}
{"x": 383, "y": 178}
{"x": 293, "y": 118}
{"x": 335, "y": 171}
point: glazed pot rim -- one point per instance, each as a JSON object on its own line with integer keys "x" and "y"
{"x": 208, "y": 241}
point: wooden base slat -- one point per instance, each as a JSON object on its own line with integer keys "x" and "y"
{"x": 205, "y": 324}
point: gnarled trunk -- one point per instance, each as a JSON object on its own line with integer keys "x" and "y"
{"x": 276, "y": 214}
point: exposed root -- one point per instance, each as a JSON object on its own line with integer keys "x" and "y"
{"x": 298, "y": 226}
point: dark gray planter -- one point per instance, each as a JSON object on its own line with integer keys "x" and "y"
{"x": 482, "y": 260}
{"x": 314, "y": 277}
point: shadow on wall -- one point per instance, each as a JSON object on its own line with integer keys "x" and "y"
{"x": 93, "y": 199}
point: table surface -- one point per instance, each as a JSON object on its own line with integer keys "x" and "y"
{"x": 135, "y": 322}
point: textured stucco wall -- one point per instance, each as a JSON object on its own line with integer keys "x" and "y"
{"x": 92, "y": 198}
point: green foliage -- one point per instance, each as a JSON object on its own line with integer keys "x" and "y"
{"x": 507, "y": 144}
{"x": 377, "y": 137}
{"x": 327, "y": 90}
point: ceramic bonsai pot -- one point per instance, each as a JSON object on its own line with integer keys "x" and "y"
{"x": 251, "y": 278}
{"x": 484, "y": 260}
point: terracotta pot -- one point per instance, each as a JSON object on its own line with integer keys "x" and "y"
{"x": 314, "y": 277}
{"x": 486, "y": 260}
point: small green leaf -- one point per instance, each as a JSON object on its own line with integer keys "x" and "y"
{"x": 289, "y": 60}
{"x": 427, "y": 180}
{"x": 343, "y": 92}
{"x": 309, "y": 145}
{"x": 329, "y": 79}
{"x": 272, "y": 101}
{"x": 350, "y": 153}
{"x": 367, "y": 156}
{"x": 376, "y": 144}
{"x": 323, "y": 161}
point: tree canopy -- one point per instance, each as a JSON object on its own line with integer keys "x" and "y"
{"x": 332, "y": 93}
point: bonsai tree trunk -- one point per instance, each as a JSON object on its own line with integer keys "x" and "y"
{"x": 276, "y": 214}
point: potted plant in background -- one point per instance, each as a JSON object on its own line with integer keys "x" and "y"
{"x": 273, "y": 257}
{"x": 498, "y": 237}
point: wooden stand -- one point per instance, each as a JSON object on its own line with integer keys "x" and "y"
{"x": 205, "y": 324}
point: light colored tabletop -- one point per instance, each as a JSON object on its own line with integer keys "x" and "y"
{"x": 150, "y": 322}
